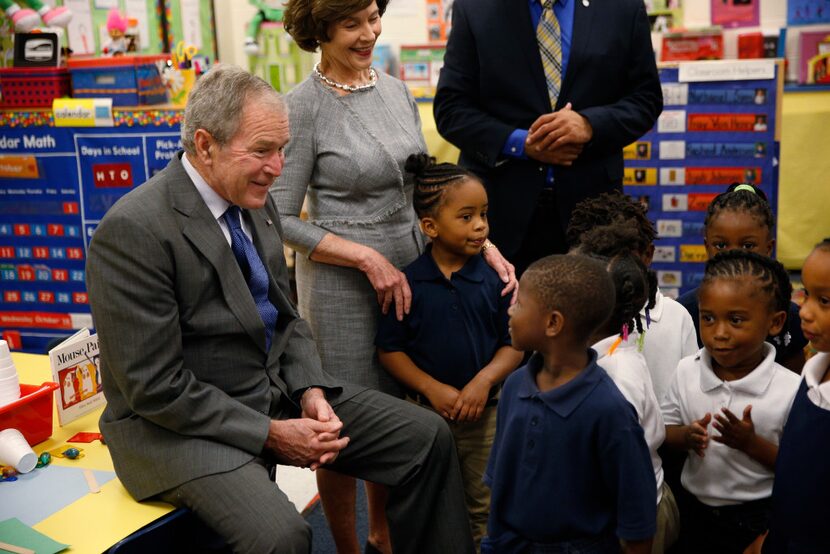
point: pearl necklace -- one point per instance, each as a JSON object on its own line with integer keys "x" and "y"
{"x": 373, "y": 80}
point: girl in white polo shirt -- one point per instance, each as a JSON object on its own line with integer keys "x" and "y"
{"x": 618, "y": 349}
{"x": 728, "y": 403}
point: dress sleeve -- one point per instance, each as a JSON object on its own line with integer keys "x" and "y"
{"x": 290, "y": 188}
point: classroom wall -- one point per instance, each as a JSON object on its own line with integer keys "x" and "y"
{"x": 403, "y": 23}
{"x": 804, "y": 182}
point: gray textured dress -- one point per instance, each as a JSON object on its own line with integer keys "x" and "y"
{"x": 347, "y": 153}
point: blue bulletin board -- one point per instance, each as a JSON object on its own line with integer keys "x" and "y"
{"x": 56, "y": 183}
{"x": 718, "y": 126}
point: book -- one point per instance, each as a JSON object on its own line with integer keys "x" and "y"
{"x": 76, "y": 368}
{"x": 692, "y": 45}
{"x": 751, "y": 45}
{"x": 808, "y": 47}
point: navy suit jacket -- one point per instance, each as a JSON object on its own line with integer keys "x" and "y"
{"x": 493, "y": 82}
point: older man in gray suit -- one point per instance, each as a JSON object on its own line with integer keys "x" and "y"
{"x": 209, "y": 373}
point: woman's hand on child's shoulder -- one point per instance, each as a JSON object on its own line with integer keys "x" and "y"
{"x": 697, "y": 437}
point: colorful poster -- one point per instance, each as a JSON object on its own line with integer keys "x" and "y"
{"x": 808, "y": 12}
{"x": 735, "y": 13}
{"x": 55, "y": 184}
{"x": 735, "y": 122}
{"x": 719, "y": 130}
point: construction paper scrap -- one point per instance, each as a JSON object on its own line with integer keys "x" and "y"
{"x": 15, "y": 532}
{"x": 84, "y": 437}
{"x": 40, "y": 493}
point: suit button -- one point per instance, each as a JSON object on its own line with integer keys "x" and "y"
{"x": 541, "y": 168}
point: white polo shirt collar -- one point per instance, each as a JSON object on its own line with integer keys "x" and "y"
{"x": 813, "y": 373}
{"x": 754, "y": 384}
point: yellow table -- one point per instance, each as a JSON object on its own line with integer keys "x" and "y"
{"x": 96, "y": 521}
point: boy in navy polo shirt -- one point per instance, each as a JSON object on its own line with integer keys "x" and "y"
{"x": 569, "y": 468}
{"x": 452, "y": 350}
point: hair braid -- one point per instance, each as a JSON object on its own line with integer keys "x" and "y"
{"x": 612, "y": 208}
{"x": 754, "y": 203}
{"x": 769, "y": 274}
{"x": 632, "y": 291}
{"x": 431, "y": 181}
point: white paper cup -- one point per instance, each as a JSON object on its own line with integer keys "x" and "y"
{"x": 7, "y": 370}
{"x": 10, "y": 381}
{"x": 16, "y": 452}
{"x": 5, "y": 353}
{"x": 9, "y": 389}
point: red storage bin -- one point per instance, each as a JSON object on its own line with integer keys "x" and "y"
{"x": 31, "y": 414}
{"x": 33, "y": 87}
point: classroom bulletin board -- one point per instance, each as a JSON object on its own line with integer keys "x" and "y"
{"x": 719, "y": 125}
{"x": 56, "y": 183}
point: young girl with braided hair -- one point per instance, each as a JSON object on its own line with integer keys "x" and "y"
{"x": 741, "y": 218}
{"x": 613, "y": 222}
{"x": 617, "y": 344}
{"x": 453, "y": 349}
{"x": 802, "y": 474}
{"x": 734, "y": 386}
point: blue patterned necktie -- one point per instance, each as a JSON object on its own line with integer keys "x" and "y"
{"x": 549, "y": 37}
{"x": 253, "y": 270}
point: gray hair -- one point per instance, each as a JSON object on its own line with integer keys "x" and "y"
{"x": 216, "y": 102}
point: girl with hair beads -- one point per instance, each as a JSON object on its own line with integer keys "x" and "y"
{"x": 802, "y": 474}
{"x": 741, "y": 218}
{"x": 618, "y": 352}
{"x": 735, "y": 385}
{"x": 616, "y": 222}
{"x": 453, "y": 350}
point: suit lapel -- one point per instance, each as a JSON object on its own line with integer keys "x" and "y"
{"x": 583, "y": 16}
{"x": 202, "y": 230}
{"x": 520, "y": 25}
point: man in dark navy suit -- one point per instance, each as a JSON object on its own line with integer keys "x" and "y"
{"x": 541, "y": 97}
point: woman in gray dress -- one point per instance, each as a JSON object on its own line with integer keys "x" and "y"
{"x": 351, "y": 131}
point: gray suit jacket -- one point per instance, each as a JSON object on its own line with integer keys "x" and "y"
{"x": 190, "y": 388}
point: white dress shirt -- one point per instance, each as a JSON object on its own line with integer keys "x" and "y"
{"x": 215, "y": 203}
{"x": 726, "y": 476}
{"x": 627, "y": 367}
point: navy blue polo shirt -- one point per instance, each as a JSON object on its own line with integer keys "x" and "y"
{"x": 568, "y": 463}
{"x": 791, "y": 339}
{"x": 455, "y": 325}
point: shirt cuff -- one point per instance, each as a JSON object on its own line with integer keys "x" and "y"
{"x": 514, "y": 147}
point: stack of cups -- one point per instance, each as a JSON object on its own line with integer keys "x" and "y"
{"x": 16, "y": 452}
{"x": 9, "y": 381}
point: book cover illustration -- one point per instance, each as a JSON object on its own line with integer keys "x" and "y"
{"x": 76, "y": 368}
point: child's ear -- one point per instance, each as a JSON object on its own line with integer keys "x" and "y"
{"x": 770, "y": 246}
{"x": 429, "y": 226}
{"x": 555, "y": 324}
{"x": 649, "y": 255}
{"x": 777, "y": 323}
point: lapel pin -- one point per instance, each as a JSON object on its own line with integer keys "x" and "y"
{"x": 268, "y": 221}
{"x": 586, "y": 3}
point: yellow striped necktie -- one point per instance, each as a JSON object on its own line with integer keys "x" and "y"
{"x": 549, "y": 38}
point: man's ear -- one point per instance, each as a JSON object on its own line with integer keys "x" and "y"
{"x": 429, "y": 226}
{"x": 555, "y": 324}
{"x": 205, "y": 146}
